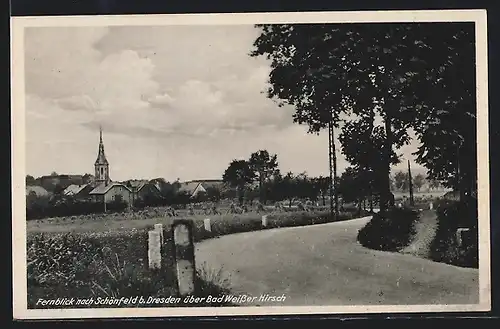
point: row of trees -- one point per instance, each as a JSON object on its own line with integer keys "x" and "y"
{"x": 401, "y": 181}
{"x": 414, "y": 76}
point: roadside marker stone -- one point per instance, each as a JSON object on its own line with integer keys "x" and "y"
{"x": 154, "y": 250}
{"x": 264, "y": 220}
{"x": 159, "y": 228}
{"x": 206, "y": 224}
{"x": 184, "y": 256}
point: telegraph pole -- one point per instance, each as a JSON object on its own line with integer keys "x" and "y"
{"x": 410, "y": 181}
{"x": 333, "y": 172}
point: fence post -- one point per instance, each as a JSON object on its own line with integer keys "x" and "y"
{"x": 206, "y": 224}
{"x": 431, "y": 206}
{"x": 159, "y": 228}
{"x": 182, "y": 231}
{"x": 154, "y": 250}
{"x": 264, "y": 220}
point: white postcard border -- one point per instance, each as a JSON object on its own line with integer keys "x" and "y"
{"x": 18, "y": 24}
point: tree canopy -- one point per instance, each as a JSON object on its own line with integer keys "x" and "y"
{"x": 400, "y": 75}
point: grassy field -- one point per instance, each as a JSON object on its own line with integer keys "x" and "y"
{"x": 108, "y": 256}
{"x": 122, "y": 222}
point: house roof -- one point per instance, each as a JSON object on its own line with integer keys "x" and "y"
{"x": 74, "y": 189}
{"x": 103, "y": 188}
{"x": 189, "y": 187}
{"x": 38, "y": 190}
{"x": 212, "y": 183}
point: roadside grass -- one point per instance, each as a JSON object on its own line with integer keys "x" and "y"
{"x": 75, "y": 259}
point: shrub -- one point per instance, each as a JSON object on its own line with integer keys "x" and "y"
{"x": 390, "y": 231}
{"x": 452, "y": 215}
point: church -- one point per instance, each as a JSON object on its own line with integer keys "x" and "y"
{"x": 103, "y": 190}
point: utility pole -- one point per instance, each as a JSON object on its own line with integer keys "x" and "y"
{"x": 410, "y": 181}
{"x": 334, "y": 197}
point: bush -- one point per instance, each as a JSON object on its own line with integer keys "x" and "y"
{"x": 390, "y": 231}
{"x": 452, "y": 215}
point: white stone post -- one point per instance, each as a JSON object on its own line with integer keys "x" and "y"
{"x": 159, "y": 228}
{"x": 459, "y": 235}
{"x": 184, "y": 256}
{"x": 154, "y": 250}
{"x": 264, "y": 220}
{"x": 431, "y": 206}
{"x": 206, "y": 224}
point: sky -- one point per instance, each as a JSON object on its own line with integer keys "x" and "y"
{"x": 178, "y": 102}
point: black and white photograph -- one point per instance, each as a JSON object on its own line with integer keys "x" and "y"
{"x": 250, "y": 164}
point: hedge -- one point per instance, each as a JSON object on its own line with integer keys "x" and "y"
{"x": 390, "y": 231}
{"x": 451, "y": 216}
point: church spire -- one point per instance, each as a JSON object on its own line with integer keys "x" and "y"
{"x": 101, "y": 163}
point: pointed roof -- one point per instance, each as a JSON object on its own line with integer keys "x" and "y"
{"x": 103, "y": 188}
{"x": 101, "y": 157}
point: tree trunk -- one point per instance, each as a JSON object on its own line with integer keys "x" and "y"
{"x": 323, "y": 197}
{"x": 386, "y": 197}
{"x": 240, "y": 192}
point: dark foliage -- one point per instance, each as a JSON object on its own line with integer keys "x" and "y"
{"x": 390, "y": 231}
{"x": 42, "y": 207}
{"x": 451, "y": 216}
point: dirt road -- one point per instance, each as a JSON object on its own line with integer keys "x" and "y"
{"x": 324, "y": 265}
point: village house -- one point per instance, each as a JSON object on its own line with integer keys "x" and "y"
{"x": 195, "y": 187}
{"x": 103, "y": 190}
{"x": 37, "y": 191}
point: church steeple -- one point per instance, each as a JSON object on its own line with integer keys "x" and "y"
{"x": 101, "y": 164}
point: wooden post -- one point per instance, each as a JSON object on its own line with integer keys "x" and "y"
{"x": 182, "y": 231}
{"x": 159, "y": 228}
{"x": 206, "y": 224}
{"x": 154, "y": 250}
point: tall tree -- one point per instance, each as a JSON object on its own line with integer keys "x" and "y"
{"x": 238, "y": 175}
{"x": 447, "y": 128}
{"x": 419, "y": 181}
{"x": 264, "y": 165}
{"x": 30, "y": 180}
{"x": 362, "y": 69}
{"x": 401, "y": 181}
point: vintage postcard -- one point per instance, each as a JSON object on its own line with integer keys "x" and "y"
{"x": 250, "y": 164}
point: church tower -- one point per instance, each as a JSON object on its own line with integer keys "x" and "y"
{"x": 101, "y": 165}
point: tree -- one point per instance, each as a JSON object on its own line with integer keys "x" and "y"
{"x": 434, "y": 184}
{"x": 213, "y": 193}
{"x": 447, "y": 128}
{"x": 324, "y": 70}
{"x": 30, "y": 180}
{"x": 401, "y": 181}
{"x": 353, "y": 186}
{"x": 53, "y": 174}
{"x": 323, "y": 186}
{"x": 419, "y": 181}
{"x": 264, "y": 165}
{"x": 238, "y": 175}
